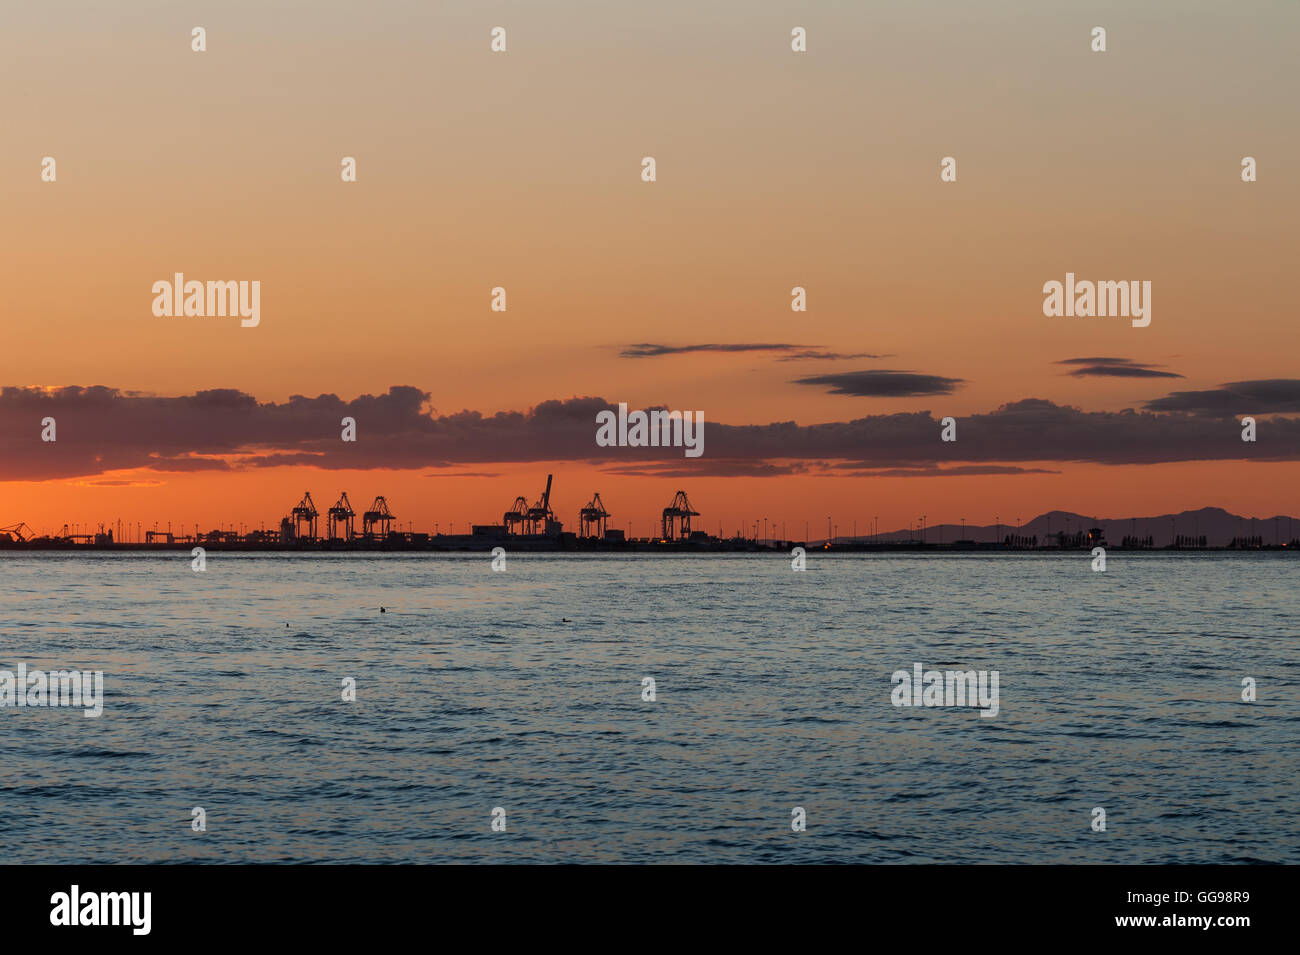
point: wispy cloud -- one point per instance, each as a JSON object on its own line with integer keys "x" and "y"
{"x": 1115, "y": 368}
{"x": 1261, "y": 396}
{"x": 883, "y": 383}
{"x": 711, "y": 467}
{"x": 966, "y": 470}
{"x": 650, "y": 350}
{"x": 829, "y": 356}
{"x": 117, "y": 482}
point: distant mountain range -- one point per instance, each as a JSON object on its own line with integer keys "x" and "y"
{"x": 1215, "y": 524}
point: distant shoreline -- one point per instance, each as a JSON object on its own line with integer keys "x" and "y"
{"x": 465, "y": 544}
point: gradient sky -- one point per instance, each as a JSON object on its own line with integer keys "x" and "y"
{"x": 774, "y": 170}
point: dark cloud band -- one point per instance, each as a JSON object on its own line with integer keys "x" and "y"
{"x": 102, "y": 430}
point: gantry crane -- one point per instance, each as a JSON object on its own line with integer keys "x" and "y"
{"x": 305, "y": 513}
{"x": 378, "y": 514}
{"x": 18, "y": 533}
{"x": 677, "y": 517}
{"x": 516, "y": 516}
{"x": 340, "y": 515}
{"x": 592, "y": 518}
{"x": 540, "y": 514}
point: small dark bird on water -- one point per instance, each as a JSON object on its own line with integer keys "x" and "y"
{"x": 565, "y": 620}
{"x": 382, "y": 610}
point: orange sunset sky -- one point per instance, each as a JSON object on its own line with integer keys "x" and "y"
{"x": 775, "y": 169}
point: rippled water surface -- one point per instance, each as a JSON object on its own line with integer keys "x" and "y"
{"x": 1120, "y": 690}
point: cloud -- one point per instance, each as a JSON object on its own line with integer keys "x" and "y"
{"x": 102, "y": 430}
{"x": 1262, "y": 396}
{"x": 883, "y": 384}
{"x": 710, "y": 467}
{"x": 829, "y": 356}
{"x": 1029, "y": 432}
{"x": 648, "y": 350}
{"x": 117, "y": 482}
{"x": 966, "y": 470}
{"x": 795, "y": 352}
{"x": 1115, "y": 368}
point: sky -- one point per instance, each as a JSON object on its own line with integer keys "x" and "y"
{"x": 522, "y": 170}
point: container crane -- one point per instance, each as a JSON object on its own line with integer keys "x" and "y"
{"x": 592, "y": 518}
{"x": 378, "y": 514}
{"x": 305, "y": 513}
{"x": 540, "y": 516}
{"x": 517, "y": 515}
{"x": 677, "y": 517}
{"x": 340, "y": 516}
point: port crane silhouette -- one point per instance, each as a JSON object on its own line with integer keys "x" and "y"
{"x": 677, "y": 517}
{"x": 380, "y": 515}
{"x": 517, "y": 516}
{"x": 19, "y": 532}
{"x": 592, "y": 519}
{"x": 305, "y": 513}
{"x": 540, "y": 513}
{"x": 340, "y": 516}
